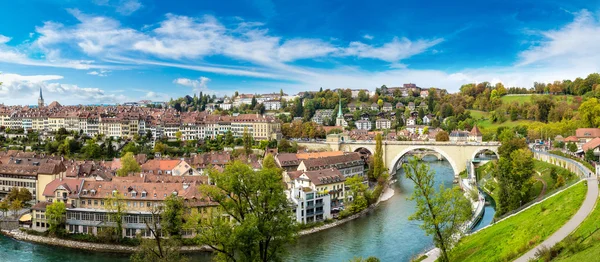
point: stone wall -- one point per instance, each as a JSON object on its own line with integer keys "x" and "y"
{"x": 9, "y": 225}
{"x": 19, "y": 235}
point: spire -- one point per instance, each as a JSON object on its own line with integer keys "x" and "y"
{"x": 340, "y": 107}
{"x": 41, "y": 97}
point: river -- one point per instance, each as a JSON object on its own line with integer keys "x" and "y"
{"x": 386, "y": 233}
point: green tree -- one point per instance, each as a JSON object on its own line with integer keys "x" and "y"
{"x": 15, "y": 206}
{"x": 269, "y": 162}
{"x": 260, "y": 224}
{"x": 248, "y": 141}
{"x": 128, "y": 165}
{"x": 229, "y": 139}
{"x": 160, "y": 148}
{"x": 172, "y": 216}
{"x": 369, "y": 259}
{"x": 572, "y": 147}
{"x": 378, "y": 164}
{"x": 513, "y": 173}
{"x": 116, "y": 209}
{"x": 4, "y": 206}
{"x": 55, "y": 215}
{"x": 443, "y": 213}
{"x": 590, "y": 156}
{"x": 158, "y": 249}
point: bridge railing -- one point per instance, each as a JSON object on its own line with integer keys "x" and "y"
{"x": 392, "y": 142}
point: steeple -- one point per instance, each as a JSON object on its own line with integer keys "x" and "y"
{"x": 41, "y": 99}
{"x": 340, "y": 108}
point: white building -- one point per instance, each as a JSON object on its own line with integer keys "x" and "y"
{"x": 383, "y": 123}
{"x": 363, "y": 124}
{"x": 309, "y": 205}
{"x": 272, "y": 104}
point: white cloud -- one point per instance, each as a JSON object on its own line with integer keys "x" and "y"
{"x": 368, "y": 37}
{"x": 4, "y": 39}
{"x": 198, "y": 85}
{"x": 101, "y": 72}
{"x": 393, "y": 51}
{"x": 123, "y": 7}
{"x": 575, "y": 44}
{"x": 23, "y": 90}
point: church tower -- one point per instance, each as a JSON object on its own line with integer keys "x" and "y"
{"x": 40, "y": 100}
{"x": 340, "y": 121}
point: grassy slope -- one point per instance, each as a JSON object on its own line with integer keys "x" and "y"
{"x": 527, "y": 98}
{"x": 588, "y": 231}
{"x": 514, "y": 236}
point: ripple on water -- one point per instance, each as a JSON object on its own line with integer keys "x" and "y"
{"x": 386, "y": 232}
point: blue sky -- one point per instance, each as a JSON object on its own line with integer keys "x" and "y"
{"x": 108, "y": 51}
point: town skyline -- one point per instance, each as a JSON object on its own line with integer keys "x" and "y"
{"x": 114, "y": 51}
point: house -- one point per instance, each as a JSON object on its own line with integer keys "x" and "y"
{"x": 593, "y": 145}
{"x": 428, "y": 118}
{"x": 375, "y": 107}
{"x": 355, "y": 92}
{"x": 584, "y": 135}
{"x": 399, "y": 105}
{"x": 424, "y": 93}
{"x": 272, "y": 105}
{"x": 322, "y": 116}
{"x": 411, "y": 106}
{"x": 203, "y": 161}
{"x": 459, "y": 136}
{"x": 315, "y": 193}
{"x": 59, "y": 190}
{"x": 411, "y": 121}
{"x": 423, "y": 105}
{"x": 415, "y": 129}
{"x": 287, "y": 161}
{"x": 383, "y": 123}
{"x": 352, "y": 107}
{"x": 169, "y": 167}
{"x": 349, "y": 164}
{"x": 475, "y": 135}
{"x": 387, "y": 107}
{"x": 363, "y": 124}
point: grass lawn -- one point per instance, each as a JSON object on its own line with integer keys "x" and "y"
{"x": 477, "y": 114}
{"x": 516, "y": 235}
{"x": 589, "y": 235}
{"x": 527, "y": 98}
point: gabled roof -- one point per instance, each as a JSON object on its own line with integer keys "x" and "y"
{"x": 592, "y": 144}
{"x": 475, "y": 131}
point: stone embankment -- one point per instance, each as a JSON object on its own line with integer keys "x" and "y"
{"x": 19, "y": 235}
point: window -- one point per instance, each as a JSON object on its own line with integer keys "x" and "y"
{"x": 95, "y": 202}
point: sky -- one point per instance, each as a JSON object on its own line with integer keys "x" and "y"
{"x": 114, "y": 51}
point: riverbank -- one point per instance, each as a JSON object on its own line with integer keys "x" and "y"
{"x": 388, "y": 193}
{"x": 97, "y": 247}
{"x": 113, "y": 248}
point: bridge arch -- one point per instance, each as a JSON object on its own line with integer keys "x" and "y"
{"x": 402, "y": 153}
{"x": 481, "y": 149}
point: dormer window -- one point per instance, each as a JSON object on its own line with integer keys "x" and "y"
{"x": 144, "y": 194}
{"x": 154, "y": 194}
{"x": 133, "y": 194}
{"x": 114, "y": 192}
{"x": 84, "y": 192}
{"x": 93, "y": 192}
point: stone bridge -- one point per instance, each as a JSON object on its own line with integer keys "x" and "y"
{"x": 458, "y": 154}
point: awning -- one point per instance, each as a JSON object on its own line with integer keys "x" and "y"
{"x": 25, "y": 218}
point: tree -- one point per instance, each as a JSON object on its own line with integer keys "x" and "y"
{"x": 178, "y": 135}
{"x": 157, "y": 249}
{"x": 116, "y": 209}
{"x": 248, "y": 141}
{"x": 4, "y": 206}
{"x": 590, "y": 156}
{"x": 443, "y": 213}
{"x": 25, "y": 195}
{"x": 260, "y": 224}
{"x": 572, "y": 147}
{"x": 160, "y": 148}
{"x": 378, "y": 164}
{"x": 15, "y": 206}
{"x": 172, "y": 217}
{"x": 128, "y": 165}
{"x": 369, "y": 259}
{"x": 269, "y": 162}
{"x": 442, "y": 136}
{"x": 513, "y": 172}
{"x": 55, "y": 215}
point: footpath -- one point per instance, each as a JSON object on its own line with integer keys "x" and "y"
{"x": 586, "y": 208}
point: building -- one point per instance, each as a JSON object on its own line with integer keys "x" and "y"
{"x": 459, "y": 136}
{"x": 411, "y": 121}
{"x": 349, "y": 164}
{"x": 40, "y": 100}
{"x": 272, "y": 105}
{"x": 387, "y": 107}
{"x": 321, "y": 182}
{"x": 310, "y": 205}
{"x": 424, "y": 93}
{"x": 363, "y": 124}
{"x": 428, "y": 118}
{"x": 322, "y": 116}
{"x": 88, "y": 213}
{"x": 169, "y": 167}
{"x": 475, "y": 135}
{"x": 355, "y": 92}
{"x": 28, "y": 172}
{"x": 383, "y": 123}
{"x": 585, "y": 135}
{"x": 339, "y": 120}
